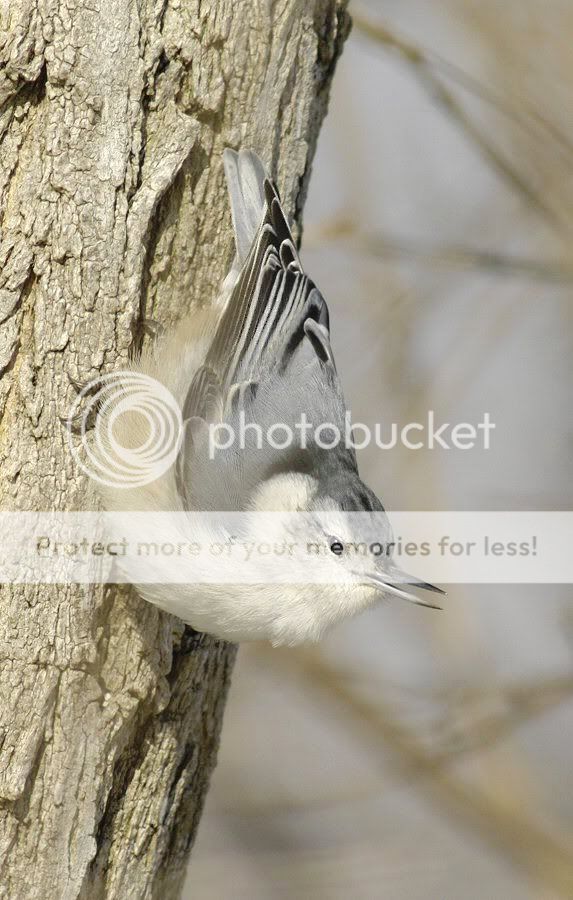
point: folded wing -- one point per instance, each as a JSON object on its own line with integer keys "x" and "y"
{"x": 270, "y": 359}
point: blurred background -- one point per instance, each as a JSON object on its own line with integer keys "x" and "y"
{"x": 418, "y": 755}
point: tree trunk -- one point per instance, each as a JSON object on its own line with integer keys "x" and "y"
{"x": 113, "y": 119}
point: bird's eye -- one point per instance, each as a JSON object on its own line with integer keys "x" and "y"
{"x": 336, "y": 546}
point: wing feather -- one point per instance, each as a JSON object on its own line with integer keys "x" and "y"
{"x": 270, "y": 302}
{"x": 273, "y": 336}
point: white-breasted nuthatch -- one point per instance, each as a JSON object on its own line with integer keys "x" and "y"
{"x": 260, "y": 354}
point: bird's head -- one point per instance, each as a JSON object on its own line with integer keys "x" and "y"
{"x": 343, "y": 560}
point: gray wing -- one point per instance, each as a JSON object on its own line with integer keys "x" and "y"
{"x": 270, "y": 361}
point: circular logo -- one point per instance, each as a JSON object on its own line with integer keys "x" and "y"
{"x": 137, "y": 432}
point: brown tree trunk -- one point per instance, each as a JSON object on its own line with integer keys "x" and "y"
{"x": 113, "y": 118}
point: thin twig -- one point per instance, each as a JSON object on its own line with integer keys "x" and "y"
{"x": 465, "y": 257}
{"x": 523, "y": 702}
{"x": 447, "y": 255}
{"x": 424, "y": 70}
{"x": 528, "y": 845}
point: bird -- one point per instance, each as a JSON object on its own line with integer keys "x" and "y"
{"x": 259, "y": 355}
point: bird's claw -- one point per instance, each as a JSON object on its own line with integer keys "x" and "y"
{"x": 149, "y": 328}
{"x": 79, "y": 424}
{"x": 84, "y": 387}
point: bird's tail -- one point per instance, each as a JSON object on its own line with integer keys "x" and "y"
{"x": 245, "y": 175}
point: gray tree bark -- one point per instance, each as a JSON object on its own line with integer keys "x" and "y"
{"x": 113, "y": 118}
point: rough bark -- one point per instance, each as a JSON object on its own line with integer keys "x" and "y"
{"x": 113, "y": 118}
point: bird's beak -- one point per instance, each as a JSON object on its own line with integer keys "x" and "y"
{"x": 390, "y": 581}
